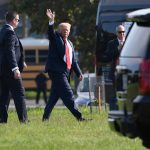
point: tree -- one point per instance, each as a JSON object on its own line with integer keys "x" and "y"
{"x": 80, "y": 13}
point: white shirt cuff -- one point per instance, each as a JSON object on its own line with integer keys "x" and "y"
{"x": 15, "y": 68}
{"x": 51, "y": 23}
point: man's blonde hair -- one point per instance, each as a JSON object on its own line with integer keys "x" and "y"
{"x": 64, "y": 24}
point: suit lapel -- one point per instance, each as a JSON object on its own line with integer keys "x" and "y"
{"x": 116, "y": 42}
{"x": 60, "y": 45}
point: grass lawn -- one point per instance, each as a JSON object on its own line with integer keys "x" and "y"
{"x": 62, "y": 132}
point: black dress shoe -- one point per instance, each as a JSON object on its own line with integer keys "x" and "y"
{"x": 25, "y": 121}
{"x": 3, "y": 120}
{"x": 45, "y": 119}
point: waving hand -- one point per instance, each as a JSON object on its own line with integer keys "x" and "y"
{"x": 50, "y": 14}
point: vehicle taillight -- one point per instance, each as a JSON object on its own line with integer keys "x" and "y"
{"x": 144, "y": 77}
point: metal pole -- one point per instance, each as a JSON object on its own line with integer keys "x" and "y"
{"x": 90, "y": 94}
{"x": 103, "y": 90}
{"x": 99, "y": 99}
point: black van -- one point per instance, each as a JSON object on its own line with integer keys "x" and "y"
{"x": 111, "y": 13}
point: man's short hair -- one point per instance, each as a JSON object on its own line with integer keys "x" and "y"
{"x": 10, "y": 15}
{"x": 64, "y": 24}
{"x": 118, "y": 27}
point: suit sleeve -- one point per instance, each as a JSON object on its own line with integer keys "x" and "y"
{"x": 110, "y": 53}
{"x": 76, "y": 67}
{"x": 51, "y": 32}
{"x": 10, "y": 49}
{"x": 22, "y": 59}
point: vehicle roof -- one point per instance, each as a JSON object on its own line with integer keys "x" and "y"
{"x": 142, "y": 15}
{"x": 34, "y": 42}
{"x": 120, "y": 5}
{"x": 117, "y": 9}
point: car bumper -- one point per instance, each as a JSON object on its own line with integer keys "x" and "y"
{"x": 134, "y": 123}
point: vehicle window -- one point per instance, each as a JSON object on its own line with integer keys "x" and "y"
{"x": 127, "y": 26}
{"x": 84, "y": 84}
{"x": 111, "y": 26}
{"x": 43, "y": 56}
{"x": 30, "y": 56}
{"x": 136, "y": 42}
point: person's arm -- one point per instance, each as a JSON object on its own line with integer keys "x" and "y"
{"x": 10, "y": 50}
{"x": 10, "y": 53}
{"x": 51, "y": 17}
{"x": 76, "y": 68}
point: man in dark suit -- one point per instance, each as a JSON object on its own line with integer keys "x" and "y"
{"x": 59, "y": 66}
{"x": 112, "y": 54}
{"x": 114, "y": 48}
{"x": 11, "y": 64}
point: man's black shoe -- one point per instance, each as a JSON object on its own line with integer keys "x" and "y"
{"x": 45, "y": 119}
{"x": 3, "y": 120}
{"x": 24, "y": 121}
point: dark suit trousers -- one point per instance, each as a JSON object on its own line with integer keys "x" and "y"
{"x": 39, "y": 91}
{"x": 9, "y": 84}
{"x": 60, "y": 88}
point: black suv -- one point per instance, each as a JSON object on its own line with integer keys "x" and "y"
{"x": 133, "y": 117}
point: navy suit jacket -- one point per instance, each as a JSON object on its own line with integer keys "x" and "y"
{"x": 111, "y": 55}
{"x": 112, "y": 52}
{"x": 55, "y": 62}
{"x": 11, "y": 51}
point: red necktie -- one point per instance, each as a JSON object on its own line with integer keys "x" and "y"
{"x": 67, "y": 55}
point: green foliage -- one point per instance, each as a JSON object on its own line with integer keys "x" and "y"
{"x": 63, "y": 132}
{"x": 80, "y": 13}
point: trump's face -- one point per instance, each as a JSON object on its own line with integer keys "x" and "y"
{"x": 64, "y": 31}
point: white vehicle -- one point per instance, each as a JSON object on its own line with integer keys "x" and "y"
{"x": 85, "y": 90}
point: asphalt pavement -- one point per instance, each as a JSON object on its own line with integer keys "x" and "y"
{"x": 31, "y": 103}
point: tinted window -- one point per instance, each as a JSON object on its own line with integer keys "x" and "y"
{"x": 84, "y": 84}
{"x": 43, "y": 56}
{"x": 30, "y": 56}
{"x": 137, "y": 42}
{"x": 111, "y": 26}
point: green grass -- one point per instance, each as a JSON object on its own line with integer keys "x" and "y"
{"x": 32, "y": 94}
{"x": 63, "y": 132}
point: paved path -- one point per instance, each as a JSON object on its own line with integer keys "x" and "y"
{"x": 31, "y": 104}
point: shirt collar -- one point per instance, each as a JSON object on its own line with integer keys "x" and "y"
{"x": 121, "y": 40}
{"x": 10, "y": 26}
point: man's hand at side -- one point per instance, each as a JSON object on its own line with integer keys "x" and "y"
{"x": 17, "y": 74}
{"x": 80, "y": 77}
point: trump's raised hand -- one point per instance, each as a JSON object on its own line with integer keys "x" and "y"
{"x": 51, "y": 15}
